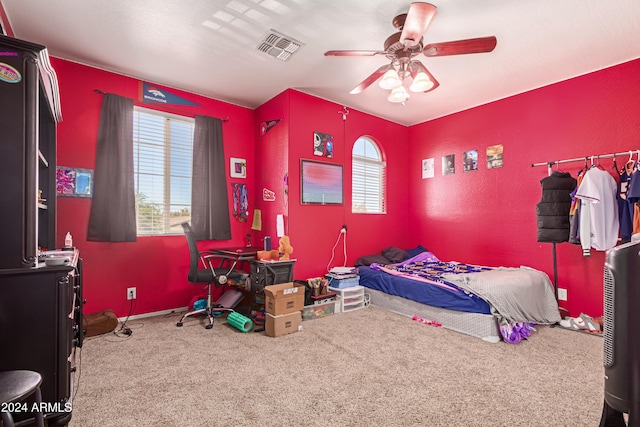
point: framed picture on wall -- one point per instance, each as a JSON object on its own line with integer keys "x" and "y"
{"x": 238, "y": 168}
{"x": 320, "y": 183}
{"x": 74, "y": 182}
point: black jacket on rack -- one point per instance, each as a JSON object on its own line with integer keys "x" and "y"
{"x": 552, "y": 212}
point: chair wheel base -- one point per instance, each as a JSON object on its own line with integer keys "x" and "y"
{"x": 179, "y": 324}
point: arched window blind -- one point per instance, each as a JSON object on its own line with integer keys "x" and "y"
{"x": 367, "y": 177}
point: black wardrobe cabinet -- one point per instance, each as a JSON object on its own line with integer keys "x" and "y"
{"x": 40, "y": 306}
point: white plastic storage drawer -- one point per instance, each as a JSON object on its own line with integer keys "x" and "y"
{"x": 350, "y": 298}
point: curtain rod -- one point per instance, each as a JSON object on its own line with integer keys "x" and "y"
{"x": 169, "y": 109}
{"x": 581, "y": 159}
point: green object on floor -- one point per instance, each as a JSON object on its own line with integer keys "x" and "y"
{"x": 240, "y": 322}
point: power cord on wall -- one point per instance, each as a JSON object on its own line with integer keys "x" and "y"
{"x": 343, "y": 232}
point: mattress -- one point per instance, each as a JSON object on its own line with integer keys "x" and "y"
{"x": 447, "y": 297}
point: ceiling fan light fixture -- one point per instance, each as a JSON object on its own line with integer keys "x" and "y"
{"x": 398, "y": 95}
{"x": 390, "y": 80}
{"x": 421, "y": 83}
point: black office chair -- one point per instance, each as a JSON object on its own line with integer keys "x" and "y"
{"x": 209, "y": 274}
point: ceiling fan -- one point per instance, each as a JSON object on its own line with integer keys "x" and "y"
{"x": 401, "y": 48}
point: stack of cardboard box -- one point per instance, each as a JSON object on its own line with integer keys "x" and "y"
{"x": 283, "y": 303}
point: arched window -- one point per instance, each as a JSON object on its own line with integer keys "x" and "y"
{"x": 367, "y": 177}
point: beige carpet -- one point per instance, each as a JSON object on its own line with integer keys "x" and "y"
{"x": 364, "y": 368}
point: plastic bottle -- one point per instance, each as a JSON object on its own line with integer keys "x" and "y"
{"x": 68, "y": 241}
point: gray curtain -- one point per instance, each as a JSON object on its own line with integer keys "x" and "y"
{"x": 209, "y": 202}
{"x": 113, "y": 215}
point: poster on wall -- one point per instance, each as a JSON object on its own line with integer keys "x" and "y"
{"x": 494, "y": 156}
{"x": 470, "y": 160}
{"x": 428, "y": 168}
{"x": 449, "y": 164}
{"x": 322, "y": 145}
{"x": 240, "y": 202}
{"x": 74, "y": 182}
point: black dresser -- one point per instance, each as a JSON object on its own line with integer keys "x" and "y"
{"x": 40, "y": 329}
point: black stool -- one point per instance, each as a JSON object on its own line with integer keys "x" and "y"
{"x": 15, "y": 386}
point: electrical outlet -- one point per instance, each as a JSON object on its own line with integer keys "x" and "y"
{"x": 343, "y": 230}
{"x": 131, "y": 293}
{"x": 562, "y": 294}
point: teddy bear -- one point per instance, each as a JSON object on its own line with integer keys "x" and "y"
{"x": 285, "y": 248}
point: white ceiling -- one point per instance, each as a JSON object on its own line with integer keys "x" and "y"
{"x": 209, "y": 46}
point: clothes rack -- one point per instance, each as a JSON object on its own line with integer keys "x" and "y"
{"x": 549, "y": 166}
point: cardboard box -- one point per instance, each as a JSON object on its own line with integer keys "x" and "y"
{"x": 284, "y": 298}
{"x": 283, "y": 324}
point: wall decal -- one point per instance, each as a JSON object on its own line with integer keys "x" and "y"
{"x": 428, "y": 168}
{"x": 494, "y": 156}
{"x": 322, "y": 144}
{"x": 268, "y": 195}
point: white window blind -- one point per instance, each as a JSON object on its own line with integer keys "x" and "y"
{"x": 162, "y": 153}
{"x": 367, "y": 178}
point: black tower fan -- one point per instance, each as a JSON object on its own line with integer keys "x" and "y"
{"x": 622, "y": 335}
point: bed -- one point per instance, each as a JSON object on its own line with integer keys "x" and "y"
{"x": 491, "y": 303}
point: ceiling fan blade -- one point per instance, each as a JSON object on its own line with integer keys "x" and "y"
{"x": 418, "y": 19}
{"x": 354, "y": 52}
{"x": 371, "y": 79}
{"x": 460, "y": 47}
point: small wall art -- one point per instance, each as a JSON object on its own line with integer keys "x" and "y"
{"x": 74, "y": 182}
{"x": 494, "y": 156}
{"x": 322, "y": 144}
{"x": 428, "y": 168}
{"x": 238, "y": 168}
{"x": 470, "y": 161}
{"x": 449, "y": 164}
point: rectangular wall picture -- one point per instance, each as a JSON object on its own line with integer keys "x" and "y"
{"x": 74, "y": 182}
{"x": 320, "y": 183}
{"x": 449, "y": 164}
{"x": 428, "y": 168}
{"x": 322, "y": 144}
{"x": 238, "y": 168}
{"x": 494, "y": 156}
{"x": 470, "y": 161}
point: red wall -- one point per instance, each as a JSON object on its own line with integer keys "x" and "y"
{"x": 488, "y": 216}
{"x": 485, "y": 216}
{"x": 315, "y": 229}
{"x": 156, "y": 266}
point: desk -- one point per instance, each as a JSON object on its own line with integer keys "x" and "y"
{"x": 240, "y": 254}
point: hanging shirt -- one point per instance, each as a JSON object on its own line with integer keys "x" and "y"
{"x": 597, "y": 193}
{"x": 625, "y": 206}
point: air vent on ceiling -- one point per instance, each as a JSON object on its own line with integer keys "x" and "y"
{"x": 279, "y": 46}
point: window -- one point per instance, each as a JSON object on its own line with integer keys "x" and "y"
{"x": 162, "y": 156}
{"x": 367, "y": 177}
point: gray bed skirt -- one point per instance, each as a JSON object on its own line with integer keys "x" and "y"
{"x": 483, "y": 326}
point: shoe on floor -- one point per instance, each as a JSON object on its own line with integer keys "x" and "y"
{"x": 591, "y": 324}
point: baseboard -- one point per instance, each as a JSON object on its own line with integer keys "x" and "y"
{"x": 152, "y": 314}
